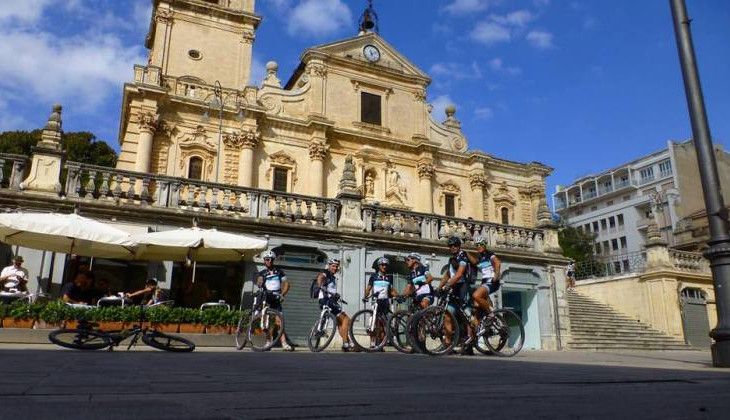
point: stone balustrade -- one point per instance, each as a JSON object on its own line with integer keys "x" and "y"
{"x": 147, "y": 75}
{"x": 689, "y": 261}
{"x": 402, "y": 223}
{"x": 12, "y": 170}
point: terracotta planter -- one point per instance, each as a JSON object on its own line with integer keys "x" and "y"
{"x": 18, "y": 323}
{"x": 111, "y": 325}
{"x": 217, "y": 329}
{"x": 169, "y": 328}
{"x": 192, "y": 328}
{"x": 71, "y": 324}
{"x": 43, "y": 325}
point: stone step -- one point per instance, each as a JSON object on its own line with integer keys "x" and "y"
{"x": 617, "y": 334}
{"x": 624, "y": 347}
{"x": 594, "y": 323}
{"x": 586, "y": 339}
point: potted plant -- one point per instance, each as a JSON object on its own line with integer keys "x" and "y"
{"x": 110, "y": 318}
{"x": 52, "y": 315}
{"x": 235, "y": 316}
{"x": 74, "y": 315}
{"x": 189, "y": 320}
{"x": 162, "y": 319}
{"x": 21, "y": 316}
{"x": 216, "y": 320}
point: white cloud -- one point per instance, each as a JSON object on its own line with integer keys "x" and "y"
{"x": 460, "y": 7}
{"x": 484, "y": 113}
{"x": 540, "y": 39}
{"x": 319, "y": 18}
{"x": 25, "y": 11}
{"x": 497, "y": 65}
{"x": 518, "y": 18}
{"x": 457, "y": 71}
{"x": 439, "y": 105}
{"x": 84, "y": 70}
{"x": 141, "y": 14}
{"x": 490, "y": 33}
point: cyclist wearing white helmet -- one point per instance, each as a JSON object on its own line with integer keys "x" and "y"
{"x": 327, "y": 283}
{"x": 490, "y": 266}
{"x": 273, "y": 280}
{"x": 419, "y": 281}
{"x": 381, "y": 285}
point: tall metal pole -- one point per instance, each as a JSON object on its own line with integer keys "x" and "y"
{"x": 719, "y": 250}
{"x": 218, "y": 92}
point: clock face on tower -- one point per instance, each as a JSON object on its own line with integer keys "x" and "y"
{"x": 371, "y": 53}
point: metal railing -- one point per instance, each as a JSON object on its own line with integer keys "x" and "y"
{"x": 611, "y": 265}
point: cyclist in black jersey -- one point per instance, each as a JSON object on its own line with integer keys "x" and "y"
{"x": 419, "y": 281}
{"x": 273, "y": 280}
{"x": 327, "y": 283}
{"x": 456, "y": 278}
{"x": 490, "y": 267}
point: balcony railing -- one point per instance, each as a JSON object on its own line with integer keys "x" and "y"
{"x": 12, "y": 170}
{"x": 689, "y": 261}
{"x": 102, "y": 185}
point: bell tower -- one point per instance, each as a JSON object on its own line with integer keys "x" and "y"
{"x": 207, "y": 40}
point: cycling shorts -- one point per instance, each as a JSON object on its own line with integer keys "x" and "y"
{"x": 335, "y": 308}
{"x": 491, "y": 286}
{"x": 459, "y": 297}
{"x": 274, "y": 301}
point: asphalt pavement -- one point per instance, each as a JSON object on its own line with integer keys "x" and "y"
{"x": 41, "y": 382}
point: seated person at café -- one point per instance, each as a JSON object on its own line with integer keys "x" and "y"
{"x": 80, "y": 290}
{"x": 102, "y": 289}
{"x": 150, "y": 294}
{"x": 14, "y": 277}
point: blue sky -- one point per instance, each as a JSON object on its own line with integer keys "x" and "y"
{"x": 578, "y": 85}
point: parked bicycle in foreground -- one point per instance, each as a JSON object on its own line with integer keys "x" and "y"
{"x": 325, "y": 327}
{"x": 264, "y": 328}
{"x": 88, "y": 336}
{"x": 437, "y": 331}
{"x": 374, "y": 323}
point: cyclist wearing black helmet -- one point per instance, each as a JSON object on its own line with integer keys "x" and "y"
{"x": 327, "y": 283}
{"x": 419, "y": 283}
{"x": 456, "y": 278}
{"x": 380, "y": 284}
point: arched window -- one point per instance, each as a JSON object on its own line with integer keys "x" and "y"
{"x": 505, "y": 216}
{"x": 195, "y": 168}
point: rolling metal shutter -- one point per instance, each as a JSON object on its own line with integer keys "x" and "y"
{"x": 300, "y": 311}
{"x": 694, "y": 318}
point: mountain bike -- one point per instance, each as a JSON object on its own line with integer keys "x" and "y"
{"x": 375, "y": 322}
{"x": 398, "y": 325}
{"x": 88, "y": 336}
{"x": 265, "y": 327}
{"x": 501, "y": 333}
{"x": 324, "y": 328}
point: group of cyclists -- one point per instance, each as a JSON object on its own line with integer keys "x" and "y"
{"x": 463, "y": 270}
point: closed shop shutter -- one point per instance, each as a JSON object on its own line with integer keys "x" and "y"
{"x": 694, "y": 317}
{"x": 300, "y": 311}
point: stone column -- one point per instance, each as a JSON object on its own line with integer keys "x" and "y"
{"x": 45, "y": 170}
{"x": 350, "y": 199}
{"x": 247, "y": 140}
{"x": 425, "y": 176}
{"x": 478, "y": 181}
{"x": 317, "y": 78}
{"x": 549, "y": 228}
{"x": 147, "y": 122}
{"x": 657, "y": 253}
{"x": 317, "y": 153}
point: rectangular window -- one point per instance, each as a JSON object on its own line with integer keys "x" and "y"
{"x": 606, "y": 247}
{"x": 280, "y": 179}
{"x": 647, "y": 174}
{"x": 627, "y": 267}
{"x": 614, "y": 244}
{"x": 449, "y": 200}
{"x": 598, "y": 248}
{"x": 587, "y": 227}
{"x": 620, "y": 218}
{"x": 370, "y": 108}
{"x": 603, "y": 224}
{"x": 665, "y": 168}
{"x": 595, "y": 227}
{"x": 623, "y": 242}
{"x": 616, "y": 267}
{"x": 611, "y": 222}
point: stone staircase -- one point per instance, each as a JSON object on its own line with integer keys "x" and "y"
{"x": 597, "y": 326}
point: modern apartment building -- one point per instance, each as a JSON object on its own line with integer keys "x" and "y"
{"x": 618, "y": 204}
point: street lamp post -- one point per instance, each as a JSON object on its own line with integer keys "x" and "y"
{"x": 719, "y": 251}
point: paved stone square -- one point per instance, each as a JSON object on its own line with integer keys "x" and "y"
{"x": 43, "y": 382}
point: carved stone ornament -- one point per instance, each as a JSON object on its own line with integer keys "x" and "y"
{"x": 164, "y": 16}
{"x": 458, "y": 144}
{"x": 248, "y": 36}
{"x": 147, "y": 121}
{"x": 281, "y": 159}
{"x": 348, "y": 182}
{"x": 317, "y": 150}
{"x": 503, "y": 195}
{"x": 317, "y": 69}
{"x": 247, "y": 138}
{"x": 425, "y": 169}
{"x": 420, "y": 96}
{"x": 544, "y": 218}
{"x": 450, "y": 187}
{"x": 477, "y": 181}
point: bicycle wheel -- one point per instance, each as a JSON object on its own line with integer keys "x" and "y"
{"x": 322, "y": 333}
{"x": 504, "y": 334}
{"x": 429, "y": 331}
{"x": 398, "y": 331}
{"x": 265, "y": 331}
{"x": 80, "y": 339}
{"x": 168, "y": 342}
{"x": 241, "y": 333}
{"x": 372, "y": 333}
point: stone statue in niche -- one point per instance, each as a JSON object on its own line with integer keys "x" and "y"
{"x": 369, "y": 185}
{"x": 395, "y": 184}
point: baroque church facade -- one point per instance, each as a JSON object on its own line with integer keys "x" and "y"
{"x": 355, "y": 97}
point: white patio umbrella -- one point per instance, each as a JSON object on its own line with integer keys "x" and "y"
{"x": 196, "y": 244}
{"x": 67, "y": 233}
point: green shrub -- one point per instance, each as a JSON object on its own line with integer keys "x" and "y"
{"x": 23, "y": 310}
{"x": 186, "y": 315}
{"x": 235, "y": 316}
{"x": 159, "y": 315}
{"x": 108, "y": 314}
{"x": 216, "y": 316}
{"x": 54, "y": 312}
{"x": 4, "y": 310}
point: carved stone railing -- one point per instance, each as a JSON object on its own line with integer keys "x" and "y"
{"x": 99, "y": 183}
{"x": 12, "y": 170}
{"x": 402, "y": 223}
{"x": 147, "y": 75}
{"x": 689, "y": 261}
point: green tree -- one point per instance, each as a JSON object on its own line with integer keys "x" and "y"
{"x": 576, "y": 244}
{"x": 80, "y": 146}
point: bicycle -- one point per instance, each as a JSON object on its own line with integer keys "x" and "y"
{"x": 375, "y": 323}
{"x": 324, "y": 329}
{"x": 501, "y": 333}
{"x": 87, "y": 336}
{"x": 265, "y": 326}
{"x": 398, "y": 326}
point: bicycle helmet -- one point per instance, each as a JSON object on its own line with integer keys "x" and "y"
{"x": 333, "y": 261}
{"x": 454, "y": 241}
{"x": 480, "y": 241}
{"x": 383, "y": 260}
{"x": 414, "y": 256}
{"x": 269, "y": 255}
